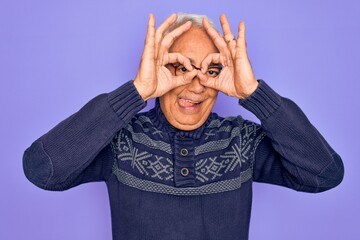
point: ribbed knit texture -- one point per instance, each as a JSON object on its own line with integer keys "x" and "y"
{"x": 263, "y": 102}
{"x": 166, "y": 183}
{"x": 126, "y": 101}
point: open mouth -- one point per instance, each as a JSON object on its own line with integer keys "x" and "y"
{"x": 186, "y": 103}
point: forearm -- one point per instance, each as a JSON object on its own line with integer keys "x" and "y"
{"x": 297, "y": 155}
{"x": 57, "y": 158}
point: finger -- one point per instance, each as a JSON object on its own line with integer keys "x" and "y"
{"x": 185, "y": 78}
{"x": 169, "y": 39}
{"x": 207, "y": 81}
{"x": 228, "y": 34}
{"x": 150, "y": 38}
{"x": 218, "y": 41}
{"x": 241, "y": 41}
{"x": 215, "y": 36}
{"x": 213, "y": 58}
{"x": 202, "y": 77}
{"x": 177, "y": 58}
{"x": 162, "y": 28}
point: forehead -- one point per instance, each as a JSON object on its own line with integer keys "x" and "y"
{"x": 195, "y": 44}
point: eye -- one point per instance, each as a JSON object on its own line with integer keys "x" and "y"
{"x": 213, "y": 72}
{"x": 180, "y": 70}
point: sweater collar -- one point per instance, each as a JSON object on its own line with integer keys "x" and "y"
{"x": 160, "y": 121}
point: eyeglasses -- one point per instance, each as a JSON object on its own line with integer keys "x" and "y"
{"x": 212, "y": 71}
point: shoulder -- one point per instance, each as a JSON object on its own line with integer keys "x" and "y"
{"x": 140, "y": 123}
{"x": 220, "y": 124}
{"x": 245, "y": 133}
{"x": 228, "y": 124}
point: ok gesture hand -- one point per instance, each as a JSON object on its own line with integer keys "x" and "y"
{"x": 236, "y": 78}
{"x": 153, "y": 78}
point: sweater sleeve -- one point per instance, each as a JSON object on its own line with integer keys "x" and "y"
{"x": 77, "y": 150}
{"x": 292, "y": 153}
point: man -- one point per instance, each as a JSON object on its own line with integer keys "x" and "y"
{"x": 180, "y": 171}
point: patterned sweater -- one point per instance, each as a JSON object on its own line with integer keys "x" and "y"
{"x": 165, "y": 183}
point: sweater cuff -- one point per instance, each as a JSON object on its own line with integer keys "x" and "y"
{"x": 263, "y": 102}
{"x": 126, "y": 101}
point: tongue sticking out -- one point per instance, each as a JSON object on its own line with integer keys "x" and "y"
{"x": 186, "y": 103}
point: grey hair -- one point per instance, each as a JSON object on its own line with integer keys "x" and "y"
{"x": 195, "y": 19}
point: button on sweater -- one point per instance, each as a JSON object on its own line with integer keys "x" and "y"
{"x": 165, "y": 183}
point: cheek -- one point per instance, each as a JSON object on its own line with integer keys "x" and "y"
{"x": 212, "y": 93}
{"x": 174, "y": 93}
{"x": 209, "y": 105}
{"x": 168, "y": 100}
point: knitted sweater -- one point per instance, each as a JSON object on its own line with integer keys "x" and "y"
{"x": 165, "y": 183}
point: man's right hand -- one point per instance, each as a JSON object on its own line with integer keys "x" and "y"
{"x": 153, "y": 78}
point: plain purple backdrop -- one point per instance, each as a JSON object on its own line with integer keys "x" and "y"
{"x": 57, "y": 55}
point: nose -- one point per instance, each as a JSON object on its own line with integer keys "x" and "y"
{"x": 195, "y": 86}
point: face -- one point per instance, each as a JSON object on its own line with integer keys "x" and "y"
{"x": 187, "y": 107}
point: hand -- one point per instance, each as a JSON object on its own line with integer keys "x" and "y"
{"x": 153, "y": 78}
{"x": 236, "y": 78}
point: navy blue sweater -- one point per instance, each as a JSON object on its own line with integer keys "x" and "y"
{"x": 165, "y": 183}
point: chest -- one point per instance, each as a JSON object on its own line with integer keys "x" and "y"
{"x": 218, "y": 160}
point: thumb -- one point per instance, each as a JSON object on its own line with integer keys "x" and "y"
{"x": 206, "y": 81}
{"x": 185, "y": 78}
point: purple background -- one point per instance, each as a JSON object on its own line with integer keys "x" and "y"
{"x": 57, "y": 55}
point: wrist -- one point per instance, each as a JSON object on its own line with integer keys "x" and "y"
{"x": 141, "y": 90}
{"x": 263, "y": 102}
{"x": 248, "y": 90}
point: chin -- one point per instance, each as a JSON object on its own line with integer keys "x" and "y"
{"x": 188, "y": 123}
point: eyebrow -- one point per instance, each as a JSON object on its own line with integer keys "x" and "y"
{"x": 191, "y": 60}
{"x": 219, "y": 65}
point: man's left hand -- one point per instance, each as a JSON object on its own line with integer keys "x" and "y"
{"x": 237, "y": 78}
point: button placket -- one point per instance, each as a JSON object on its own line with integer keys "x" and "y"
{"x": 184, "y": 152}
{"x": 184, "y": 172}
{"x": 184, "y": 166}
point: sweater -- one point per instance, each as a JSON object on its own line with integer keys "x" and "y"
{"x": 165, "y": 183}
